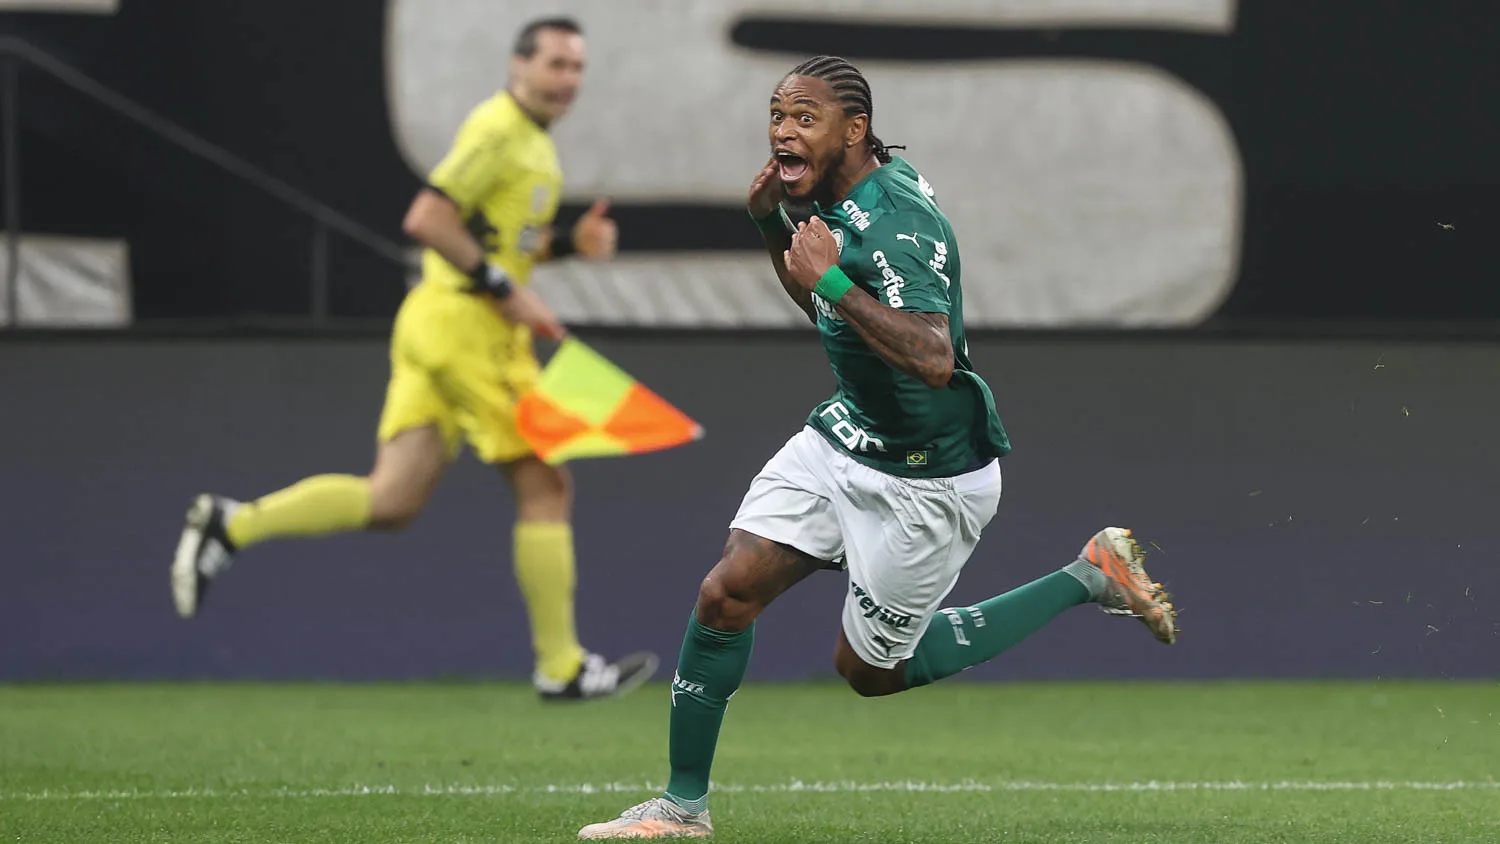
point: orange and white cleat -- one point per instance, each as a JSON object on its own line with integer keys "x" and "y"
{"x": 655, "y": 818}
{"x": 1130, "y": 590}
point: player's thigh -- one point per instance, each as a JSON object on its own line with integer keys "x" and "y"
{"x": 907, "y": 542}
{"x": 413, "y": 398}
{"x": 790, "y": 501}
{"x": 784, "y": 530}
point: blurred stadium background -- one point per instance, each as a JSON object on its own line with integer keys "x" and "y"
{"x": 1238, "y": 258}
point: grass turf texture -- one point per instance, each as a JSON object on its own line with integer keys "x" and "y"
{"x": 1115, "y": 762}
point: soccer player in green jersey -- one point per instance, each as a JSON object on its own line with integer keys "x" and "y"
{"x": 893, "y": 478}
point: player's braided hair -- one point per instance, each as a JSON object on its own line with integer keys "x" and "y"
{"x": 852, "y": 90}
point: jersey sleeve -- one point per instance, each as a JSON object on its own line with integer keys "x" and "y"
{"x": 907, "y": 261}
{"x": 474, "y": 167}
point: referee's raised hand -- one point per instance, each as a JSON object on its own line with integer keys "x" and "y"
{"x": 595, "y": 234}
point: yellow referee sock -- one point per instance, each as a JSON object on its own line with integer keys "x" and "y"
{"x": 317, "y": 506}
{"x": 545, "y": 572}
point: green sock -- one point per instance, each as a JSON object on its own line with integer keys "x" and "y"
{"x": 709, "y": 670}
{"x": 961, "y": 638}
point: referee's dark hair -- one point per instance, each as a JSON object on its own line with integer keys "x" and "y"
{"x": 526, "y": 40}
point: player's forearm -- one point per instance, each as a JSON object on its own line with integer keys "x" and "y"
{"x": 777, "y": 247}
{"x": 917, "y": 344}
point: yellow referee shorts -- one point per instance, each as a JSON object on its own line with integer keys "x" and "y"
{"x": 457, "y": 364}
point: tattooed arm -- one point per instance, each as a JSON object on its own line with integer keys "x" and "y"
{"x": 915, "y": 343}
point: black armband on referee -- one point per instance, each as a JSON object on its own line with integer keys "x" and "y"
{"x": 489, "y": 278}
{"x": 563, "y": 245}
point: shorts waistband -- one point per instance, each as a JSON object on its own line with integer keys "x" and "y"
{"x": 981, "y": 476}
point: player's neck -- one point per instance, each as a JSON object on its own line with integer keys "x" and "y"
{"x": 848, "y": 176}
{"x": 531, "y": 113}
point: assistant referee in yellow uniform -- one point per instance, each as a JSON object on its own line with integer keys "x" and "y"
{"x": 461, "y": 355}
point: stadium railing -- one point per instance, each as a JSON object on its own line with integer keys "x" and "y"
{"x": 15, "y": 52}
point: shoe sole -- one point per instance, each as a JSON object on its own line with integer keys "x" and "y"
{"x": 1123, "y": 567}
{"x": 645, "y": 829}
{"x": 185, "y": 560}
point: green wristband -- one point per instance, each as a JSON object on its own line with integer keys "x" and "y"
{"x": 833, "y": 285}
{"x": 771, "y": 224}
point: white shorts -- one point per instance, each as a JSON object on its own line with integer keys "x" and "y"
{"x": 904, "y": 540}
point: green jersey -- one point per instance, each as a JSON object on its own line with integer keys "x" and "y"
{"x": 896, "y": 245}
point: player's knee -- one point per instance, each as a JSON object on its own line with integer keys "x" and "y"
{"x": 865, "y": 679}
{"x": 869, "y": 681}
{"x": 394, "y": 521}
{"x": 550, "y": 503}
{"x": 393, "y": 509}
{"x": 720, "y": 608}
{"x": 407, "y": 468}
{"x": 543, "y": 493}
{"x": 866, "y": 687}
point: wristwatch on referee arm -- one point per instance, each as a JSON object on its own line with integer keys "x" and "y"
{"x": 490, "y": 278}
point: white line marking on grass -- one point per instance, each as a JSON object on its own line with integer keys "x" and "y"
{"x": 792, "y": 787}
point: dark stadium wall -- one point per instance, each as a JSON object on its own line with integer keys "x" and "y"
{"x": 1321, "y": 509}
{"x": 1369, "y": 175}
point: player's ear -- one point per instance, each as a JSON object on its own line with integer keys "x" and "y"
{"x": 859, "y": 126}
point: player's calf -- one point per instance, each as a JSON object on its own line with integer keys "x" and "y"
{"x": 1108, "y": 572}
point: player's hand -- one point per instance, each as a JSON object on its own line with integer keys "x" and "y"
{"x": 595, "y": 235}
{"x": 524, "y": 307}
{"x": 813, "y": 252}
{"x": 766, "y": 192}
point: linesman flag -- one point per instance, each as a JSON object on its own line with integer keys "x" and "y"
{"x": 585, "y": 406}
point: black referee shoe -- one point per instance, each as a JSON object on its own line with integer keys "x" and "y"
{"x": 598, "y": 679}
{"x": 203, "y": 552}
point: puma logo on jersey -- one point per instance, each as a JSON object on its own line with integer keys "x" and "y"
{"x": 911, "y": 237}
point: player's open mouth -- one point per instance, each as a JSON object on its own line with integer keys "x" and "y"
{"x": 793, "y": 166}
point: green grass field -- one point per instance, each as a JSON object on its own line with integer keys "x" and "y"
{"x": 1224, "y": 763}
